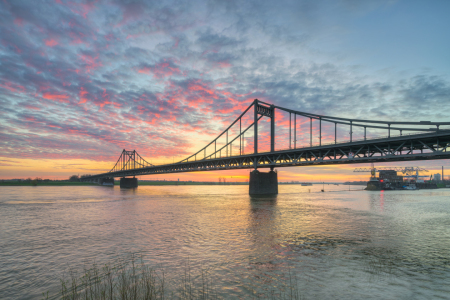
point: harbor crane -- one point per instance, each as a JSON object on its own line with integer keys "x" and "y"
{"x": 409, "y": 172}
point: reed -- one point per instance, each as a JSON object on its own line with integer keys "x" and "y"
{"x": 134, "y": 280}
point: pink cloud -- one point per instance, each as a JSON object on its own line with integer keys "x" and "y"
{"x": 28, "y": 106}
{"x": 18, "y": 21}
{"x": 82, "y": 9}
{"x": 56, "y": 97}
{"x": 12, "y": 87}
{"x": 51, "y": 42}
{"x": 77, "y": 37}
{"x": 130, "y": 12}
{"x": 30, "y": 119}
{"x": 82, "y": 95}
{"x": 161, "y": 70}
{"x": 91, "y": 62}
{"x": 224, "y": 64}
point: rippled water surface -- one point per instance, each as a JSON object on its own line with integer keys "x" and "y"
{"x": 335, "y": 245}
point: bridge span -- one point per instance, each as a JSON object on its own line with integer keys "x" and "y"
{"x": 423, "y": 140}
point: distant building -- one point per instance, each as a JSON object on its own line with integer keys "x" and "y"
{"x": 437, "y": 177}
{"x": 389, "y": 176}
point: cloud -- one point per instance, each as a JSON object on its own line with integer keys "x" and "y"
{"x": 90, "y": 78}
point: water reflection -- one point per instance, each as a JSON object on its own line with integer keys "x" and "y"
{"x": 262, "y": 227}
{"x": 376, "y": 200}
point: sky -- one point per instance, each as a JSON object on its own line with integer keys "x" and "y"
{"x": 82, "y": 80}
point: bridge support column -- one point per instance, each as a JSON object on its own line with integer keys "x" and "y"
{"x": 128, "y": 182}
{"x": 263, "y": 183}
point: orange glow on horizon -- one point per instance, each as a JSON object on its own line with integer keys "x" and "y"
{"x": 60, "y": 169}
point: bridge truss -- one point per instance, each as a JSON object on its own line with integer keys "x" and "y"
{"x": 422, "y": 143}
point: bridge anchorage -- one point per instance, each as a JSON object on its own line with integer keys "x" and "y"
{"x": 303, "y": 139}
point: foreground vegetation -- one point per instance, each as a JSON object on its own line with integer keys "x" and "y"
{"x": 136, "y": 280}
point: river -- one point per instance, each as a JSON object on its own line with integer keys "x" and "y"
{"x": 339, "y": 244}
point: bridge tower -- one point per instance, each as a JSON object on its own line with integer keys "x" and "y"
{"x": 263, "y": 183}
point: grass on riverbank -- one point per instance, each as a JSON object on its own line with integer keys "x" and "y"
{"x": 136, "y": 280}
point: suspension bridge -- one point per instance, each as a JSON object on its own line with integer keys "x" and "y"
{"x": 237, "y": 146}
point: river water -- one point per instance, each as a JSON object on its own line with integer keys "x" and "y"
{"x": 334, "y": 245}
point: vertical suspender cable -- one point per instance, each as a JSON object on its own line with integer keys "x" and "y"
{"x": 290, "y": 145}
{"x": 272, "y": 129}
{"x": 227, "y": 143}
{"x": 335, "y": 133}
{"x": 255, "y": 124}
{"x": 351, "y": 131}
{"x": 295, "y": 131}
{"x": 240, "y": 136}
{"x": 320, "y": 131}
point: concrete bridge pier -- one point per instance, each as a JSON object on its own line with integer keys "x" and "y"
{"x": 128, "y": 182}
{"x": 263, "y": 183}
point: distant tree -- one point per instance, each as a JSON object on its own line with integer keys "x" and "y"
{"x": 85, "y": 175}
{"x": 74, "y": 178}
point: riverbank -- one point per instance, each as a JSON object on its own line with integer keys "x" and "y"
{"x": 45, "y": 183}
{"x": 69, "y": 183}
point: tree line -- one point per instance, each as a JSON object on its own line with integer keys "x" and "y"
{"x": 77, "y": 178}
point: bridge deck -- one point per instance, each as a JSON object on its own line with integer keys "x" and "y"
{"x": 407, "y": 147}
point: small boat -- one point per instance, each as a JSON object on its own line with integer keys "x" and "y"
{"x": 410, "y": 187}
